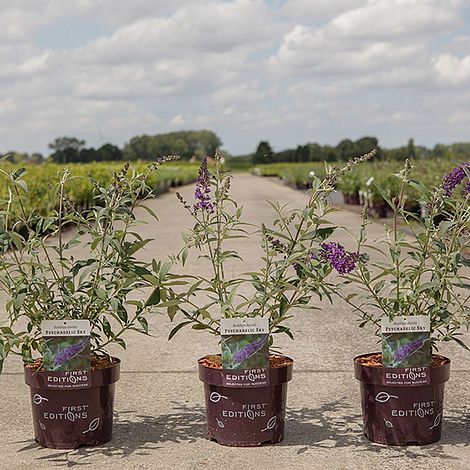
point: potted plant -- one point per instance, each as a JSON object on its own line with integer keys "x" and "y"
{"x": 420, "y": 272}
{"x": 74, "y": 268}
{"x": 289, "y": 276}
{"x": 350, "y": 186}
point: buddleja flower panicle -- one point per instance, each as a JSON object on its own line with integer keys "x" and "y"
{"x": 67, "y": 353}
{"x": 454, "y": 178}
{"x": 342, "y": 261}
{"x": 202, "y": 193}
{"x": 246, "y": 351}
{"x": 407, "y": 349}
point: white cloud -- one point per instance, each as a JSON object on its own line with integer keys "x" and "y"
{"x": 390, "y": 18}
{"x": 314, "y": 50}
{"x": 288, "y": 71}
{"x": 452, "y": 70}
{"x": 318, "y": 9}
{"x": 206, "y": 27}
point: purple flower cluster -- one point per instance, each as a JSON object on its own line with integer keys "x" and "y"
{"x": 466, "y": 189}
{"x": 67, "y": 353}
{"x": 409, "y": 348}
{"x": 278, "y": 245}
{"x": 454, "y": 178}
{"x": 343, "y": 261}
{"x": 244, "y": 353}
{"x": 203, "y": 189}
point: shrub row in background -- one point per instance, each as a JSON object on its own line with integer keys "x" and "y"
{"x": 360, "y": 183}
{"x": 79, "y": 190}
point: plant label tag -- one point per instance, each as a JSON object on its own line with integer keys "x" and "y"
{"x": 406, "y": 350}
{"x": 66, "y": 354}
{"x": 245, "y": 352}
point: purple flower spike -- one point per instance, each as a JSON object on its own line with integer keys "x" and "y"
{"x": 66, "y": 354}
{"x": 203, "y": 189}
{"x": 454, "y": 178}
{"x": 244, "y": 353}
{"x": 343, "y": 261}
{"x": 407, "y": 349}
{"x": 466, "y": 189}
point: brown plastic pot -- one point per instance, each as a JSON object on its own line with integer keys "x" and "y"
{"x": 351, "y": 199}
{"x": 378, "y": 209}
{"x": 401, "y": 415}
{"x": 245, "y": 417}
{"x": 68, "y": 419}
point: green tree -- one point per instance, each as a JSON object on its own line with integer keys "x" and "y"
{"x": 411, "y": 152}
{"x": 66, "y": 149}
{"x": 108, "y": 152}
{"x": 264, "y": 153}
{"x": 186, "y": 144}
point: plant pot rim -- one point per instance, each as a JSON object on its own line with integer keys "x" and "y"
{"x": 99, "y": 377}
{"x": 374, "y": 375}
{"x": 277, "y": 375}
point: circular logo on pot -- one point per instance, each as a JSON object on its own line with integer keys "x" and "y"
{"x": 38, "y": 399}
{"x": 216, "y": 397}
{"x": 383, "y": 397}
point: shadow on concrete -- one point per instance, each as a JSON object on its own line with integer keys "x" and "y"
{"x": 328, "y": 427}
{"x": 133, "y": 433}
{"x": 336, "y": 425}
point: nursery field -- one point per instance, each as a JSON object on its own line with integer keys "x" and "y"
{"x": 361, "y": 182}
{"x": 79, "y": 191}
{"x": 159, "y": 412}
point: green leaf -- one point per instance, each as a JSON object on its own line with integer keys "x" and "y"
{"x": 17, "y": 239}
{"x": 107, "y": 327}
{"x": 172, "y": 310}
{"x": 184, "y": 255}
{"x": 177, "y": 328}
{"x": 324, "y": 233}
{"x": 154, "y": 298}
{"x": 122, "y": 314}
{"x": 136, "y": 246}
{"x": 144, "y": 324}
{"x": 150, "y": 211}
{"x": 461, "y": 343}
{"x": 121, "y": 342}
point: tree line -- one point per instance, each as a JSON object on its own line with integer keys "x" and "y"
{"x": 189, "y": 144}
{"x": 347, "y": 149}
{"x": 186, "y": 144}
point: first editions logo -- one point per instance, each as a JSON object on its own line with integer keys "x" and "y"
{"x": 246, "y": 378}
{"x": 406, "y": 376}
{"x": 68, "y": 379}
{"x": 68, "y": 413}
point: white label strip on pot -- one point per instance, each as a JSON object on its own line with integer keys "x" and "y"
{"x": 244, "y": 326}
{"x": 65, "y": 328}
{"x": 406, "y": 324}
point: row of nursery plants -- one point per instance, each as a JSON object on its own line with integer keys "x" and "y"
{"x": 80, "y": 191}
{"x": 365, "y": 183}
{"x": 65, "y": 311}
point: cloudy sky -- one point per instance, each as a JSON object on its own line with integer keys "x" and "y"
{"x": 288, "y": 71}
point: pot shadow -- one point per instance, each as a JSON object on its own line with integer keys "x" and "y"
{"x": 133, "y": 433}
{"x": 337, "y": 425}
{"x": 329, "y": 426}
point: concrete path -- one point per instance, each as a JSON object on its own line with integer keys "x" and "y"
{"x": 160, "y": 421}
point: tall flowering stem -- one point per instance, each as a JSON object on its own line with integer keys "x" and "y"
{"x": 420, "y": 266}
{"x": 290, "y": 274}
